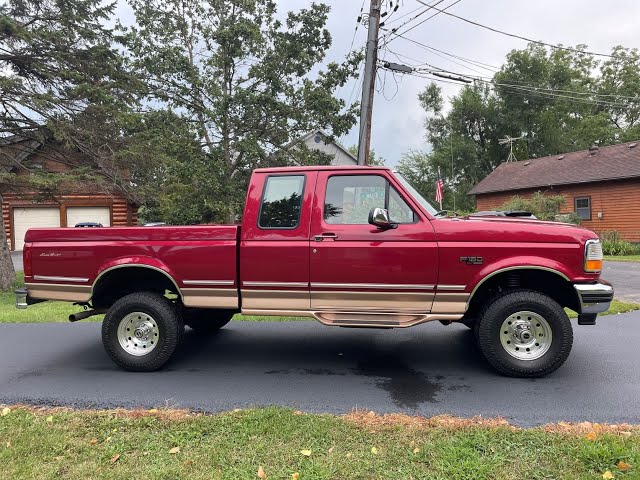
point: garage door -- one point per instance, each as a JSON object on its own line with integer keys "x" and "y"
{"x": 77, "y": 215}
{"x": 26, "y": 218}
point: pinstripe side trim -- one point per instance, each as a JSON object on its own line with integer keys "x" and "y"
{"x": 386, "y": 286}
{"x": 276, "y": 284}
{"x": 46, "y": 278}
{"x": 452, "y": 287}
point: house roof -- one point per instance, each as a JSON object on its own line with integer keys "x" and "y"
{"x": 325, "y": 136}
{"x": 613, "y": 162}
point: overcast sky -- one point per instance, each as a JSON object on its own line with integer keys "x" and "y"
{"x": 397, "y": 122}
{"x": 398, "y": 118}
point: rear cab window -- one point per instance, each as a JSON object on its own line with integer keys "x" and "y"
{"x": 281, "y": 202}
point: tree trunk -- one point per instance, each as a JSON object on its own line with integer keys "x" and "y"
{"x": 7, "y": 273}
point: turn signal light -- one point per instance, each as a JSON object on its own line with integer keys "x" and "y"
{"x": 593, "y": 256}
{"x": 593, "y": 266}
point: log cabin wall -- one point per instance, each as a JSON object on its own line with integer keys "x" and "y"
{"x": 617, "y": 201}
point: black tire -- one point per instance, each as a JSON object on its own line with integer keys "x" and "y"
{"x": 167, "y": 320}
{"x": 499, "y": 310}
{"x": 206, "y": 320}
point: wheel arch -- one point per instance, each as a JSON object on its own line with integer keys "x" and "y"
{"x": 114, "y": 282}
{"x": 549, "y": 281}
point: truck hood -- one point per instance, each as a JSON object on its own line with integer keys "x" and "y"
{"x": 496, "y": 229}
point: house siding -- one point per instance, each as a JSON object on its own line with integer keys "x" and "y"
{"x": 122, "y": 212}
{"x": 619, "y": 202}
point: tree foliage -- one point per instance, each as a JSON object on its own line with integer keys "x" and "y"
{"x": 558, "y": 100}
{"x": 247, "y": 85}
{"x": 63, "y": 83}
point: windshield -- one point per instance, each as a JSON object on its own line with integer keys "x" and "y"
{"x": 419, "y": 198}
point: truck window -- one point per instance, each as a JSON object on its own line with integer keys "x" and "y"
{"x": 281, "y": 202}
{"x": 349, "y": 198}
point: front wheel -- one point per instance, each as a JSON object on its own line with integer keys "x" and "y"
{"x": 525, "y": 333}
{"x": 141, "y": 331}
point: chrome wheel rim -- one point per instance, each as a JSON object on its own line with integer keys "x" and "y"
{"x": 526, "y": 335}
{"x": 138, "y": 333}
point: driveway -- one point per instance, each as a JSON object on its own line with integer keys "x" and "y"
{"x": 426, "y": 370}
{"x": 625, "y": 277}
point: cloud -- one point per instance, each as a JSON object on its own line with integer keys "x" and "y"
{"x": 397, "y": 122}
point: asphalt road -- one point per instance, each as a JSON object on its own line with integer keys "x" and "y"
{"x": 625, "y": 277}
{"x": 426, "y": 370}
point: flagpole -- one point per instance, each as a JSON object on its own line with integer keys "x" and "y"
{"x": 439, "y": 181}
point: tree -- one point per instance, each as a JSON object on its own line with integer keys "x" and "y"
{"x": 373, "y": 161}
{"x": 244, "y": 81}
{"x": 62, "y": 84}
{"x": 557, "y": 100}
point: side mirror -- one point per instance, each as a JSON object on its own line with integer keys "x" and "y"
{"x": 380, "y": 218}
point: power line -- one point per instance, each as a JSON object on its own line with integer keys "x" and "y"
{"x": 429, "y": 18}
{"x": 526, "y": 91}
{"x": 437, "y": 54}
{"x": 536, "y": 88}
{"x": 513, "y": 35}
{"x": 429, "y": 6}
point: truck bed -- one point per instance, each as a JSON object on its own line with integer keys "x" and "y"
{"x": 195, "y": 256}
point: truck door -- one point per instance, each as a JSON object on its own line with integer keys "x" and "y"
{"x": 274, "y": 248}
{"x": 357, "y": 267}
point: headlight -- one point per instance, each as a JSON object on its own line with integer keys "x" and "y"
{"x": 593, "y": 256}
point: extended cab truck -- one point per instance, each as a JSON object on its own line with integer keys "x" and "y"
{"x": 350, "y": 247}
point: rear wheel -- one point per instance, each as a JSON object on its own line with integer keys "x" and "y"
{"x": 206, "y": 320}
{"x": 525, "y": 334}
{"x": 141, "y": 331}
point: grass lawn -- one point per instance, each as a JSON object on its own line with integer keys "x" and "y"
{"x": 60, "y": 311}
{"x": 39, "y": 443}
{"x": 622, "y": 258}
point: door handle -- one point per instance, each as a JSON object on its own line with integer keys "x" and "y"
{"x": 322, "y": 236}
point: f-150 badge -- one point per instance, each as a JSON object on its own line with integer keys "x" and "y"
{"x": 472, "y": 260}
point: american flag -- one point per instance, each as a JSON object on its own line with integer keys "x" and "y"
{"x": 439, "y": 189}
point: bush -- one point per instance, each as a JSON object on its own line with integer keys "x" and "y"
{"x": 614, "y": 244}
{"x": 544, "y": 207}
{"x": 572, "y": 217}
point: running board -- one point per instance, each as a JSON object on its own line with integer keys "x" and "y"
{"x": 379, "y": 320}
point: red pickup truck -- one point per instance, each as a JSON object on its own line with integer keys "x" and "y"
{"x": 348, "y": 246}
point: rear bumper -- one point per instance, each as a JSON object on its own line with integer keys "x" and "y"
{"x": 594, "y": 297}
{"x": 23, "y": 300}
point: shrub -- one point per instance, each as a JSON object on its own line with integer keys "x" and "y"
{"x": 572, "y": 217}
{"x": 614, "y": 244}
{"x": 544, "y": 207}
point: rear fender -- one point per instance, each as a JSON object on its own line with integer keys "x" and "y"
{"x": 139, "y": 262}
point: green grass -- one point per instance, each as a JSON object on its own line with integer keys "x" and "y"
{"x": 60, "y": 311}
{"x": 617, "y": 306}
{"x": 79, "y": 445}
{"x": 622, "y": 258}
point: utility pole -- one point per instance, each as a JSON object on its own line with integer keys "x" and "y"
{"x": 369, "y": 83}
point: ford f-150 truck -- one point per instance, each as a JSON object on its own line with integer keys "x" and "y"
{"x": 348, "y": 246}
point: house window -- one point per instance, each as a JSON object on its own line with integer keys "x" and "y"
{"x": 583, "y": 207}
{"x": 281, "y": 201}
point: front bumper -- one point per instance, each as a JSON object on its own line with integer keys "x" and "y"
{"x": 594, "y": 298}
